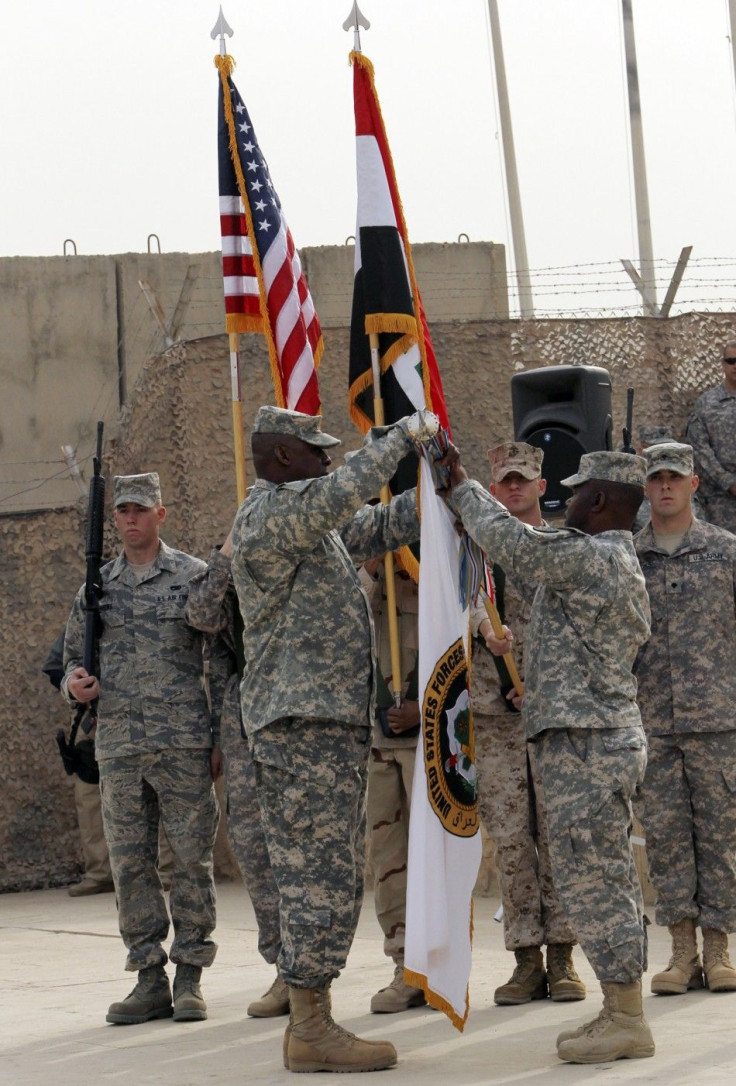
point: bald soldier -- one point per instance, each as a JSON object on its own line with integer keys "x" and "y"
{"x": 309, "y": 702}
{"x": 687, "y": 693}
{"x": 533, "y": 915}
{"x": 589, "y": 617}
{"x": 157, "y": 750}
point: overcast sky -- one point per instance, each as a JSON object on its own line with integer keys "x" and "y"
{"x": 109, "y": 123}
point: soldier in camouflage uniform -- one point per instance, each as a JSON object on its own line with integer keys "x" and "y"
{"x": 308, "y": 706}
{"x": 532, "y": 913}
{"x": 156, "y": 747}
{"x": 687, "y": 692}
{"x": 213, "y": 608}
{"x": 589, "y": 617}
{"x": 391, "y": 775}
{"x": 711, "y": 430}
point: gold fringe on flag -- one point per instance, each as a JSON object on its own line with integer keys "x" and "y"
{"x": 242, "y": 322}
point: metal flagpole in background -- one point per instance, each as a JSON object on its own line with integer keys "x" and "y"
{"x": 646, "y": 284}
{"x": 518, "y": 239}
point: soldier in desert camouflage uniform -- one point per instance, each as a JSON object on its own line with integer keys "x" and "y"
{"x": 532, "y": 913}
{"x": 156, "y": 746}
{"x": 213, "y": 608}
{"x": 391, "y": 776}
{"x": 687, "y": 693}
{"x": 711, "y": 430}
{"x": 308, "y": 705}
{"x": 589, "y": 617}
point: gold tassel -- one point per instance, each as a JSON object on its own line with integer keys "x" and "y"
{"x": 391, "y": 322}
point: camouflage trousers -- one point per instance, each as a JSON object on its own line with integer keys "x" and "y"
{"x": 311, "y": 782}
{"x": 586, "y": 780}
{"x": 175, "y": 786}
{"x": 532, "y": 912}
{"x": 390, "y": 779}
{"x": 688, "y": 808}
{"x": 244, "y": 826}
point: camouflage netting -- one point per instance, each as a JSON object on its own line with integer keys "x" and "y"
{"x": 178, "y": 422}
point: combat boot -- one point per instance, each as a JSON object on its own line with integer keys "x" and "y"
{"x": 565, "y": 986}
{"x": 684, "y": 972}
{"x": 189, "y": 1006}
{"x": 720, "y": 975}
{"x": 316, "y": 1043}
{"x": 272, "y": 1003}
{"x": 619, "y": 1032}
{"x": 398, "y": 996}
{"x": 528, "y": 981}
{"x": 151, "y": 998}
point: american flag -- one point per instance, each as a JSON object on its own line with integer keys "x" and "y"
{"x": 265, "y": 287}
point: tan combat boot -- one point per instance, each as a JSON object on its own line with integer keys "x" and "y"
{"x": 189, "y": 1006}
{"x": 397, "y": 996}
{"x": 684, "y": 972}
{"x": 528, "y": 981}
{"x": 565, "y": 986}
{"x": 720, "y": 975}
{"x": 619, "y": 1032}
{"x": 151, "y": 998}
{"x": 317, "y": 1043}
{"x": 272, "y": 1003}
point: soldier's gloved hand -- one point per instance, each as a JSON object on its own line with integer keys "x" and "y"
{"x": 422, "y": 425}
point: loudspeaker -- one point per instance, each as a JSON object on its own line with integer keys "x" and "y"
{"x": 565, "y": 411}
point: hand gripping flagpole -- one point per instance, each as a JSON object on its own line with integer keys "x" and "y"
{"x": 220, "y": 29}
{"x": 355, "y": 20}
{"x": 495, "y": 620}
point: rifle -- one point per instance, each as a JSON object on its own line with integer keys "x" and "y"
{"x": 627, "y": 446}
{"x": 76, "y": 760}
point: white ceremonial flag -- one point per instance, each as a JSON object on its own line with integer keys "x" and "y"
{"x": 444, "y": 826}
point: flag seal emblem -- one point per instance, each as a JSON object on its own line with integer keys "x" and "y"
{"x": 449, "y": 744}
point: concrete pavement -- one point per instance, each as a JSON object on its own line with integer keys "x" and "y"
{"x": 61, "y": 963}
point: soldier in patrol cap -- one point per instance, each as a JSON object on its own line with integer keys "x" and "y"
{"x": 687, "y": 691}
{"x": 533, "y": 915}
{"x": 589, "y": 617}
{"x": 157, "y": 751}
{"x": 309, "y": 704}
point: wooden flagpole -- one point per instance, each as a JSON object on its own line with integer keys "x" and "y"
{"x": 495, "y": 620}
{"x": 220, "y": 29}
{"x": 389, "y": 567}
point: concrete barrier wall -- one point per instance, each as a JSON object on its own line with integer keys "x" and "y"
{"x": 78, "y": 330}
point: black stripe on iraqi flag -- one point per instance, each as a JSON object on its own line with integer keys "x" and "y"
{"x": 385, "y": 282}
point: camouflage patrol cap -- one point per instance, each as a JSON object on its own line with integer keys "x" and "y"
{"x": 515, "y": 456}
{"x": 278, "y": 420}
{"x": 669, "y": 456}
{"x": 652, "y": 435}
{"x": 143, "y": 490}
{"x": 612, "y": 467}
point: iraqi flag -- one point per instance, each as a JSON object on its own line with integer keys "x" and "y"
{"x": 386, "y": 298}
{"x": 444, "y": 824}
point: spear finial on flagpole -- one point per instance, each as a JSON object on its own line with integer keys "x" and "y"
{"x": 222, "y": 28}
{"x": 354, "y": 21}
